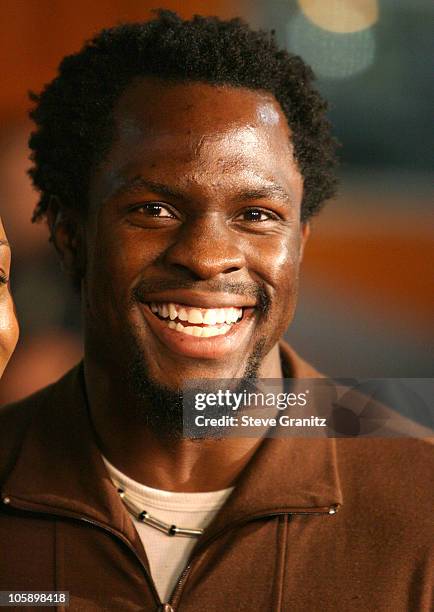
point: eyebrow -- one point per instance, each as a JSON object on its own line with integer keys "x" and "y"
{"x": 138, "y": 183}
{"x": 271, "y": 191}
{"x": 4, "y": 243}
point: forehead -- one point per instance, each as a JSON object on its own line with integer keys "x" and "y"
{"x": 160, "y": 103}
{"x": 154, "y": 108}
{"x": 196, "y": 131}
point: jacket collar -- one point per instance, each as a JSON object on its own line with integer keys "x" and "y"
{"x": 60, "y": 470}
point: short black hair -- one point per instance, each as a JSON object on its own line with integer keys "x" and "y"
{"x": 73, "y": 114}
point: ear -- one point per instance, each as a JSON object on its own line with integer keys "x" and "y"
{"x": 66, "y": 233}
{"x": 305, "y": 233}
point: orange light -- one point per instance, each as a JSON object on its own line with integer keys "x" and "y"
{"x": 343, "y": 16}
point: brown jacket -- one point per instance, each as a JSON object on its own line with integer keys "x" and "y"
{"x": 277, "y": 543}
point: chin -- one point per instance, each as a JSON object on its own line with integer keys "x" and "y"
{"x": 174, "y": 372}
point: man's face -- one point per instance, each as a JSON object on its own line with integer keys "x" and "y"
{"x": 194, "y": 214}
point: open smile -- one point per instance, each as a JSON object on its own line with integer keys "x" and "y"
{"x": 199, "y": 322}
{"x": 199, "y": 332}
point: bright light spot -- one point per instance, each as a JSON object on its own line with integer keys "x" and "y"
{"x": 331, "y": 55}
{"x": 341, "y": 15}
{"x": 268, "y": 114}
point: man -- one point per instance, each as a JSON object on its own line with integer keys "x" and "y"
{"x": 179, "y": 163}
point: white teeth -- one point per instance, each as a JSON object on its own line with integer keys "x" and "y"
{"x": 231, "y": 315}
{"x": 210, "y": 317}
{"x": 182, "y": 314}
{"x": 173, "y": 310}
{"x": 207, "y": 316}
{"x": 173, "y": 313}
{"x": 221, "y": 315}
{"x": 238, "y": 313}
{"x": 195, "y": 316}
{"x": 199, "y": 332}
{"x": 207, "y": 332}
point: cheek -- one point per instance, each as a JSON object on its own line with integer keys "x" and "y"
{"x": 8, "y": 330}
{"x": 276, "y": 259}
{"x": 277, "y": 264}
{"x": 116, "y": 262}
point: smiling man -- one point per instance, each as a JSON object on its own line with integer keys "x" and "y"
{"x": 178, "y": 164}
{"x": 195, "y": 233}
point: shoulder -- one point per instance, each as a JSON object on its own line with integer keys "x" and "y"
{"x": 394, "y": 474}
{"x": 14, "y": 421}
{"x": 16, "y": 418}
{"x": 13, "y": 417}
{"x": 293, "y": 366}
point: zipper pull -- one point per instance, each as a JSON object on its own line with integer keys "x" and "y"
{"x": 166, "y": 608}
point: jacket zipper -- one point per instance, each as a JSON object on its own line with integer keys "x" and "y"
{"x": 177, "y": 591}
{"x": 18, "y": 506}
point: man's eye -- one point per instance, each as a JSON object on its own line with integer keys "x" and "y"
{"x": 256, "y": 214}
{"x": 155, "y": 209}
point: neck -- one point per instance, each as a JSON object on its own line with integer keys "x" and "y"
{"x": 154, "y": 460}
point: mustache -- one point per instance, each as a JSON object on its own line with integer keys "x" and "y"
{"x": 254, "y": 290}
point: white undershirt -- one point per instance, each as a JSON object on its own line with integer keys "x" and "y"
{"x": 168, "y": 555}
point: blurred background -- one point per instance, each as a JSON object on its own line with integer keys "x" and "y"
{"x": 366, "y": 297}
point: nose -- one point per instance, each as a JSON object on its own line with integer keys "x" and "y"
{"x": 205, "y": 247}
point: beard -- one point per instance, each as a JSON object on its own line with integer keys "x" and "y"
{"x": 161, "y": 409}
